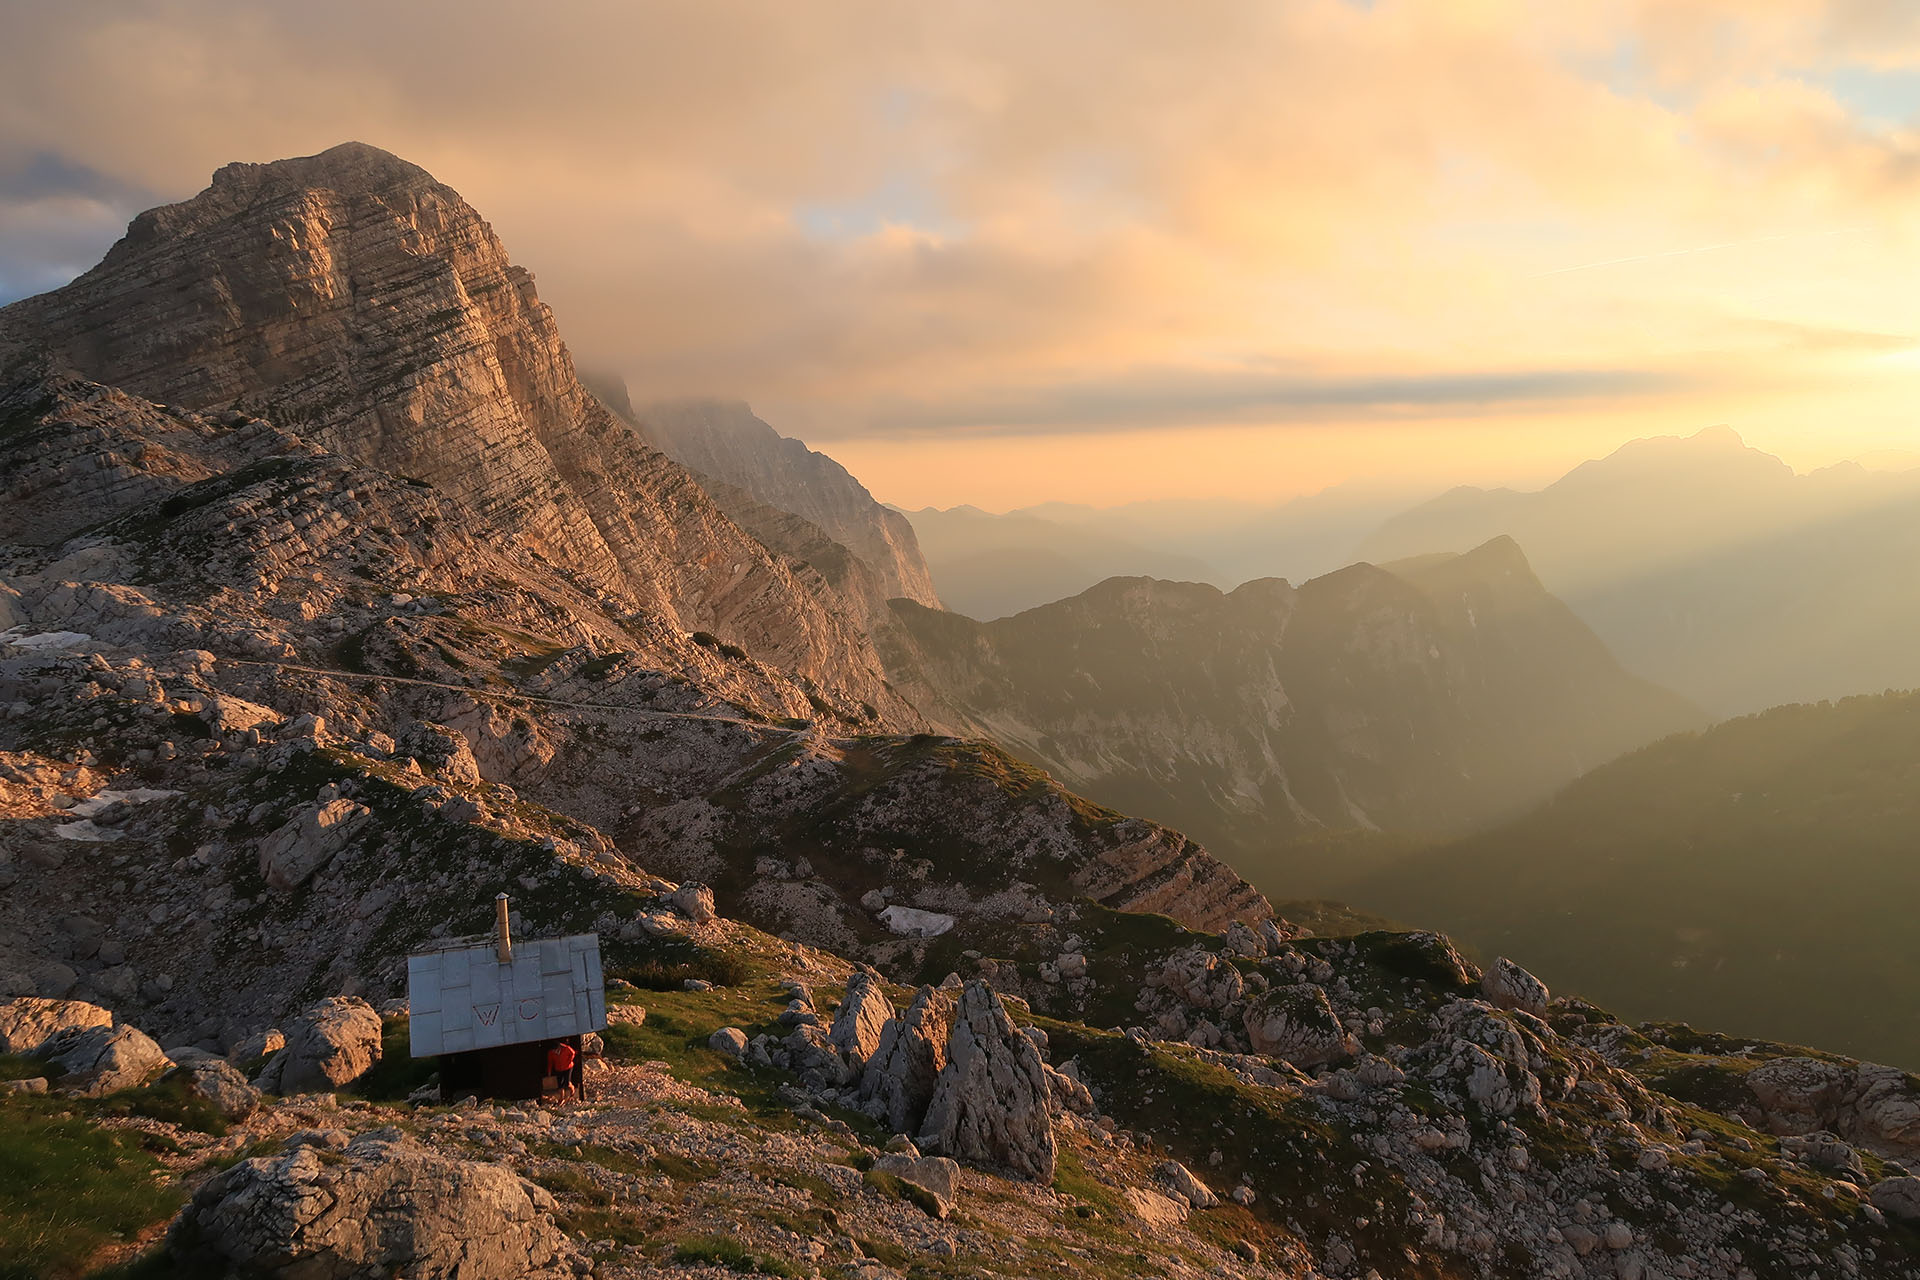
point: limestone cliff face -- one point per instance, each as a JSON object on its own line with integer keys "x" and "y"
{"x": 1436, "y": 695}
{"x": 354, "y": 300}
{"x": 724, "y": 440}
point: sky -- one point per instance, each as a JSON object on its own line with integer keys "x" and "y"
{"x": 1001, "y": 253}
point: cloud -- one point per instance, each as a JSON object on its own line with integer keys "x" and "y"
{"x": 886, "y": 216}
{"x": 56, "y": 214}
{"x": 1161, "y": 398}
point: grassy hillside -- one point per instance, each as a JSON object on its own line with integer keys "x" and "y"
{"x": 1761, "y": 876}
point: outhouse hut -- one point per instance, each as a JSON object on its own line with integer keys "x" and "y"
{"x": 490, "y": 1008}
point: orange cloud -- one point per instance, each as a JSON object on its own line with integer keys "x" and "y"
{"x": 895, "y": 221}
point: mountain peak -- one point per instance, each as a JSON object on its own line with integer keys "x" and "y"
{"x": 350, "y": 168}
{"x": 1719, "y": 436}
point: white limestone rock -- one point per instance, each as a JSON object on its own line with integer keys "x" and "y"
{"x": 381, "y": 1206}
{"x": 330, "y": 1044}
{"x": 991, "y": 1104}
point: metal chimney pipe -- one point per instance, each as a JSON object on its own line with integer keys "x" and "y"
{"x": 506, "y": 935}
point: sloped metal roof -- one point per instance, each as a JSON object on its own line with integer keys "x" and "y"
{"x": 461, "y": 997}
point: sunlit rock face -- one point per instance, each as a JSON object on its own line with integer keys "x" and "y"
{"x": 351, "y": 298}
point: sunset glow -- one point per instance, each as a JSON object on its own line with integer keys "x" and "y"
{"x": 1098, "y": 252}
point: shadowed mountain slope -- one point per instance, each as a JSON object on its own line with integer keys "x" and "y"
{"x": 1434, "y": 695}
{"x": 1760, "y": 875}
{"x": 1711, "y": 568}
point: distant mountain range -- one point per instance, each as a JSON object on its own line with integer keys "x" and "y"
{"x": 1705, "y": 565}
{"x": 990, "y": 566}
{"x": 1712, "y": 568}
{"x": 1760, "y": 877}
{"x": 1431, "y": 695}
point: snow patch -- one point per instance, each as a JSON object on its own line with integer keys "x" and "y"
{"x": 87, "y": 831}
{"x": 911, "y": 922}
{"x": 15, "y": 638}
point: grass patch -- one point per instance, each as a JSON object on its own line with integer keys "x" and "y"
{"x": 721, "y": 968}
{"x": 685, "y": 1168}
{"x": 15, "y": 1067}
{"x": 172, "y": 1101}
{"x": 68, "y": 1189}
{"x": 725, "y": 1251}
{"x": 398, "y": 1073}
{"x": 572, "y": 1182}
{"x": 891, "y": 1254}
{"x": 620, "y": 1226}
{"x": 899, "y": 1188}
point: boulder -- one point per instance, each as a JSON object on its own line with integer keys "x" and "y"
{"x": 1068, "y": 1094}
{"x": 1200, "y": 978}
{"x": 1507, "y": 986}
{"x": 1428, "y": 957}
{"x": 1180, "y": 1181}
{"x": 332, "y": 1043}
{"x": 936, "y": 1175}
{"x": 901, "y": 1073}
{"x": 694, "y": 901}
{"x": 99, "y": 1060}
{"x": 1297, "y": 1023}
{"x": 28, "y": 1022}
{"x": 861, "y": 1018}
{"x": 1243, "y": 941}
{"x": 1898, "y": 1198}
{"x": 1799, "y": 1095}
{"x": 258, "y": 1045}
{"x": 991, "y": 1103}
{"x": 1155, "y": 1209}
{"x": 220, "y": 1083}
{"x": 446, "y": 751}
{"x": 731, "y": 1041}
{"x": 308, "y": 841}
{"x": 383, "y": 1206}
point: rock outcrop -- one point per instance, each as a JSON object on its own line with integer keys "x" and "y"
{"x": 991, "y": 1104}
{"x": 330, "y": 1044}
{"x": 308, "y": 841}
{"x": 383, "y": 1206}
{"x": 28, "y": 1022}
{"x": 903, "y": 1071}
{"x": 350, "y": 297}
{"x": 1874, "y": 1106}
{"x": 862, "y": 1019}
{"x": 1508, "y": 986}
{"x": 1298, "y": 1023}
{"x": 99, "y": 1060}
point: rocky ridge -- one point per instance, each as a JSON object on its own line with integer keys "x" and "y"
{"x": 351, "y": 298}
{"x": 1428, "y": 696}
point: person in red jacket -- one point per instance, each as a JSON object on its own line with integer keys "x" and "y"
{"x": 560, "y": 1063}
